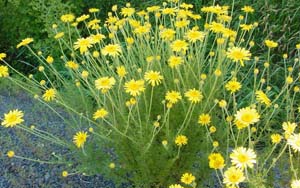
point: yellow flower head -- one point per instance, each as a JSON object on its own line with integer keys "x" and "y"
{"x": 247, "y": 116}
{"x": 194, "y": 95}
{"x": 72, "y": 65}
{"x": 112, "y": 50}
{"x": 49, "y": 94}
{"x": 83, "y": 44}
{"x": 154, "y": 78}
{"x": 67, "y": 18}
{"x": 233, "y": 176}
{"x": 121, "y": 71}
{"x": 105, "y": 83}
{"x": 2, "y": 56}
{"x": 194, "y": 36}
{"x": 25, "y": 42}
{"x": 179, "y": 46}
{"x": 127, "y": 11}
{"x": 216, "y": 161}
{"x": 248, "y": 9}
{"x": 243, "y": 158}
{"x": 134, "y": 87}
{"x": 181, "y": 140}
{"x": 3, "y": 71}
{"x": 10, "y": 154}
{"x": 49, "y": 59}
{"x": 175, "y": 186}
{"x": 238, "y": 54}
{"x": 64, "y": 174}
{"x": 100, "y": 113}
{"x": 233, "y": 86}
{"x": 204, "y": 119}
{"x": 187, "y": 178}
{"x": 271, "y": 44}
{"x": 294, "y": 142}
{"x": 80, "y": 138}
{"x": 276, "y": 138}
{"x": 13, "y": 118}
{"x": 262, "y": 98}
{"x": 173, "y": 97}
{"x": 175, "y": 61}
{"x": 59, "y": 35}
{"x": 167, "y": 34}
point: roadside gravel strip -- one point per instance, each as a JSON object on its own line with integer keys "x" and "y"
{"x": 17, "y": 173}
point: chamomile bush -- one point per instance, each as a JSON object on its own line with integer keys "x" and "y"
{"x": 166, "y": 97}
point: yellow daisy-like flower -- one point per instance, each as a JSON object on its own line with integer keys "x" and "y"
{"x": 100, "y": 113}
{"x": 243, "y": 158}
{"x": 64, "y": 174}
{"x": 67, "y": 18}
{"x": 194, "y": 95}
{"x": 93, "y": 10}
{"x": 121, "y": 71}
{"x": 276, "y": 138}
{"x": 238, "y": 54}
{"x": 233, "y": 85}
{"x": 167, "y": 34}
{"x": 187, "y": 178}
{"x": 173, "y": 96}
{"x": 83, "y": 44}
{"x": 175, "y": 186}
{"x": 288, "y": 128}
{"x": 49, "y": 59}
{"x": 204, "y": 119}
{"x": 105, "y": 83}
{"x": 179, "y": 46}
{"x": 233, "y": 176}
{"x": 10, "y": 154}
{"x": 3, "y": 71}
{"x": 248, "y": 9}
{"x": 2, "y": 56}
{"x": 294, "y": 141}
{"x": 271, "y": 44}
{"x": 59, "y": 35}
{"x": 72, "y": 65}
{"x": 25, "y": 42}
{"x": 194, "y": 36}
{"x": 80, "y": 138}
{"x": 216, "y": 161}
{"x": 154, "y": 78}
{"x": 175, "y": 61}
{"x": 247, "y": 116}
{"x": 12, "y": 118}
{"x": 82, "y": 18}
{"x": 262, "y": 98}
{"x": 112, "y": 50}
{"x": 127, "y": 11}
{"x": 134, "y": 87}
{"x": 49, "y": 94}
{"x": 181, "y": 140}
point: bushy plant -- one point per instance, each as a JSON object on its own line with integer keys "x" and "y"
{"x": 167, "y": 96}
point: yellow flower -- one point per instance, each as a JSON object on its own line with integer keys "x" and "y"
{"x": 112, "y": 50}
{"x": 13, "y": 118}
{"x": 246, "y": 27}
{"x": 248, "y": 9}
{"x": 182, "y": 23}
{"x": 175, "y": 61}
{"x": 100, "y": 113}
{"x": 112, "y": 165}
{"x": 262, "y": 98}
{"x": 204, "y": 119}
{"x": 3, "y": 71}
{"x": 121, "y": 71}
{"x": 49, "y": 94}
{"x": 187, "y": 178}
{"x": 212, "y": 129}
{"x": 247, "y": 116}
{"x": 271, "y": 44}
{"x": 127, "y": 11}
{"x": 175, "y": 186}
{"x": 10, "y": 154}
{"x": 233, "y": 86}
{"x": 295, "y": 184}
{"x": 82, "y": 18}
{"x": 64, "y": 174}
{"x": 67, "y": 18}
{"x": 80, "y": 138}
{"x": 105, "y": 83}
{"x": 216, "y": 161}
{"x": 216, "y": 27}
{"x": 194, "y": 36}
{"x": 238, "y": 54}
{"x": 288, "y": 128}
{"x": 233, "y": 176}
{"x": 25, "y": 42}
{"x": 167, "y": 34}
{"x": 72, "y": 65}
{"x": 294, "y": 142}
{"x": 222, "y": 103}
{"x": 2, "y": 56}
{"x": 49, "y": 59}
{"x": 84, "y": 74}
{"x": 179, "y": 45}
{"x": 83, "y": 44}
{"x": 173, "y": 97}
{"x": 194, "y": 95}
{"x": 93, "y": 10}
{"x": 276, "y": 138}
{"x": 243, "y": 158}
{"x": 59, "y": 35}
{"x": 134, "y": 87}
{"x": 154, "y": 78}
{"x": 181, "y": 140}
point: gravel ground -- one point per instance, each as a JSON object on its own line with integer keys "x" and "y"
{"x": 17, "y": 173}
